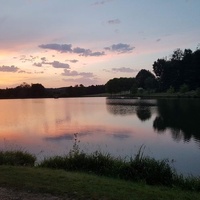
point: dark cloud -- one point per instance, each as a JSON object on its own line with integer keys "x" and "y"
{"x": 97, "y": 53}
{"x": 55, "y": 64}
{"x": 63, "y": 48}
{"x": 38, "y": 64}
{"x": 120, "y": 48}
{"x": 8, "y": 68}
{"x": 12, "y": 69}
{"x": 82, "y": 51}
{"x": 124, "y": 69}
{"x": 114, "y": 21}
{"x": 67, "y": 48}
{"x": 87, "y": 52}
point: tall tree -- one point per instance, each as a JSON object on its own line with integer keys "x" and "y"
{"x": 145, "y": 79}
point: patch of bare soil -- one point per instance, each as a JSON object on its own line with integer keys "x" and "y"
{"x": 10, "y": 194}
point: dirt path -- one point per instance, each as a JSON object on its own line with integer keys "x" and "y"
{"x": 9, "y": 194}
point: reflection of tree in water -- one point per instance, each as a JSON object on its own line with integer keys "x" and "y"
{"x": 181, "y": 116}
{"x": 143, "y": 112}
{"x": 131, "y": 106}
{"x": 121, "y": 109}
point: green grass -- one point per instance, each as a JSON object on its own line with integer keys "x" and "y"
{"x": 85, "y": 186}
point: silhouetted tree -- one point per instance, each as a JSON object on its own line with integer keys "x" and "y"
{"x": 145, "y": 79}
{"x": 117, "y": 85}
{"x": 182, "y": 68}
{"x": 37, "y": 90}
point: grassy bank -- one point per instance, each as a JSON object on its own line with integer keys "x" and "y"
{"x": 96, "y": 176}
{"x": 85, "y": 186}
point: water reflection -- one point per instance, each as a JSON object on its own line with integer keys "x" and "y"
{"x": 143, "y": 112}
{"x": 64, "y": 137}
{"x": 181, "y": 116}
{"x": 116, "y": 126}
{"x": 141, "y": 107}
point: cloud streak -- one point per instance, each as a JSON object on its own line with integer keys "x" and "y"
{"x": 124, "y": 69}
{"x": 120, "y": 48}
{"x": 8, "y": 68}
{"x": 62, "y": 48}
{"x": 114, "y": 21}
{"x": 75, "y": 73}
{"x": 55, "y": 64}
{"x": 13, "y": 69}
{"x": 73, "y": 61}
{"x": 97, "y": 3}
{"x": 67, "y": 48}
{"x": 87, "y": 78}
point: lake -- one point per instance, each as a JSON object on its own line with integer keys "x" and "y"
{"x": 167, "y": 128}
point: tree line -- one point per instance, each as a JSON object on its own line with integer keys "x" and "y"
{"x": 37, "y": 90}
{"x": 179, "y": 73}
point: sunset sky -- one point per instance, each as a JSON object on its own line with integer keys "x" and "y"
{"x": 61, "y": 43}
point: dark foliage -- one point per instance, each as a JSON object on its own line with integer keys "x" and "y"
{"x": 146, "y": 80}
{"x": 39, "y": 91}
{"x": 17, "y": 158}
{"x": 183, "y": 68}
{"x": 117, "y": 85}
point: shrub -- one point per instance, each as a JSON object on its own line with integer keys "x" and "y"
{"x": 17, "y": 158}
{"x": 171, "y": 90}
{"x": 184, "y": 88}
{"x": 138, "y": 169}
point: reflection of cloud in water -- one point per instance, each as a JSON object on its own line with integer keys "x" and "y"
{"x": 61, "y": 121}
{"x": 69, "y": 136}
{"x": 121, "y": 136}
{"x": 115, "y": 132}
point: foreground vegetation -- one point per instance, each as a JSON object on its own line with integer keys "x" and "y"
{"x": 78, "y": 185}
{"x": 138, "y": 169}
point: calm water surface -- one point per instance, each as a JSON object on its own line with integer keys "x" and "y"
{"x": 169, "y": 128}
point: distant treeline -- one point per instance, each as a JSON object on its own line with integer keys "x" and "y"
{"x": 179, "y": 73}
{"x": 39, "y": 91}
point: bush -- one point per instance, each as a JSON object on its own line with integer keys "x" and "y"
{"x": 171, "y": 90}
{"x": 20, "y": 158}
{"x": 184, "y": 88}
{"x": 138, "y": 169}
